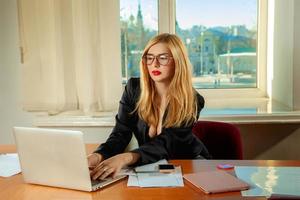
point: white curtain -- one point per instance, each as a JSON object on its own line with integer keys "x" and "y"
{"x": 71, "y": 55}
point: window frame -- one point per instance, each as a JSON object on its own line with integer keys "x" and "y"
{"x": 166, "y": 23}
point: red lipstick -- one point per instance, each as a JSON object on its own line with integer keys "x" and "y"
{"x": 156, "y": 72}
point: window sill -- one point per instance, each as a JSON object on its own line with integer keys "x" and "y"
{"x": 269, "y": 118}
{"x": 236, "y": 111}
{"x": 74, "y": 121}
{"x": 87, "y": 121}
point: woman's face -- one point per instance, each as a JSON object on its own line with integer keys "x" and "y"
{"x": 160, "y": 63}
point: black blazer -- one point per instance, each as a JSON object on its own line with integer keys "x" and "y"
{"x": 172, "y": 143}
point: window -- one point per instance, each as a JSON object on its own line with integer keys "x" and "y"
{"x": 221, "y": 37}
{"x": 139, "y": 23}
{"x": 226, "y": 40}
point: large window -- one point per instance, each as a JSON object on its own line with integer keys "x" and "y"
{"x": 139, "y": 23}
{"x": 221, "y": 37}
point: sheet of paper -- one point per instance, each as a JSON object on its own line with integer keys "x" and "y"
{"x": 9, "y": 164}
{"x": 153, "y": 167}
{"x": 157, "y": 179}
{"x": 266, "y": 181}
{"x": 133, "y": 181}
{"x": 149, "y": 176}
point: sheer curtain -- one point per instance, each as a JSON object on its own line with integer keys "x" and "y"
{"x": 70, "y": 55}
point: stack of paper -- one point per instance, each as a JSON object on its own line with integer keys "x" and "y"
{"x": 149, "y": 176}
{"x": 9, "y": 164}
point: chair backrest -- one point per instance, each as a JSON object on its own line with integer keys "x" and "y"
{"x": 223, "y": 140}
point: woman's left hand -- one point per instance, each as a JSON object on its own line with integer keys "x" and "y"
{"x": 113, "y": 165}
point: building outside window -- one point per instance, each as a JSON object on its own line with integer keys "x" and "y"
{"x": 221, "y": 37}
{"x": 139, "y": 23}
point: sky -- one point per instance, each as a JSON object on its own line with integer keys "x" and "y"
{"x": 204, "y": 12}
{"x": 148, "y": 7}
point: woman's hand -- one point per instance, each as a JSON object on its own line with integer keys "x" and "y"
{"x": 113, "y": 165}
{"x": 94, "y": 160}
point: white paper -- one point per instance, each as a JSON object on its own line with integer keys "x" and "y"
{"x": 266, "y": 181}
{"x": 153, "y": 167}
{"x": 133, "y": 181}
{"x": 149, "y": 176}
{"x": 9, "y": 164}
{"x": 157, "y": 179}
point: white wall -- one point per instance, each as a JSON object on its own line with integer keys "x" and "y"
{"x": 11, "y": 113}
{"x": 282, "y": 83}
{"x": 296, "y": 69}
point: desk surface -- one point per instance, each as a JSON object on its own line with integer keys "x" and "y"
{"x": 13, "y": 188}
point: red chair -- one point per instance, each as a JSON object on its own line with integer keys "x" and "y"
{"x": 223, "y": 140}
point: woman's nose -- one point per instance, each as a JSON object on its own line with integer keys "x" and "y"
{"x": 156, "y": 63}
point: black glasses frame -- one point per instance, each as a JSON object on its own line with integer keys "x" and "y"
{"x": 157, "y": 58}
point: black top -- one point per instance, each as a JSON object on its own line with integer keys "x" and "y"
{"x": 172, "y": 143}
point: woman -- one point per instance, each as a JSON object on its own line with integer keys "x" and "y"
{"x": 159, "y": 108}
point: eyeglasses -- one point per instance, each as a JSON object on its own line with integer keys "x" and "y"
{"x": 163, "y": 59}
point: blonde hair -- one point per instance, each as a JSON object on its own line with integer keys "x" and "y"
{"x": 181, "y": 97}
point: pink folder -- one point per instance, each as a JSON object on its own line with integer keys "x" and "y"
{"x": 216, "y": 182}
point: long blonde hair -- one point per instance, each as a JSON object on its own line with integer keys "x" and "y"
{"x": 181, "y": 97}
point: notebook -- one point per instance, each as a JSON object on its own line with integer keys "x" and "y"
{"x": 56, "y": 158}
{"x": 216, "y": 182}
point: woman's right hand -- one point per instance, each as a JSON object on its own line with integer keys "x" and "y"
{"x": 94, "y": 160}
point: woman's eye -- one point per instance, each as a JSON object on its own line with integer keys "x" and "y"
{"x": 149, "y": 58}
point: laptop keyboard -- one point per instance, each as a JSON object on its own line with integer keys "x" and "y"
{"x": 101, "y": 183}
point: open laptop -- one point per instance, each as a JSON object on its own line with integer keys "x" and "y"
{"x": 56, "y": 158}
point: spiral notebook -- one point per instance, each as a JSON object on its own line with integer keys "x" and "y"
{"x": 216, "y": 182}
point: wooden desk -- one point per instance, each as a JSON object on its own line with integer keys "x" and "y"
{"x": 13, "y": 188}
